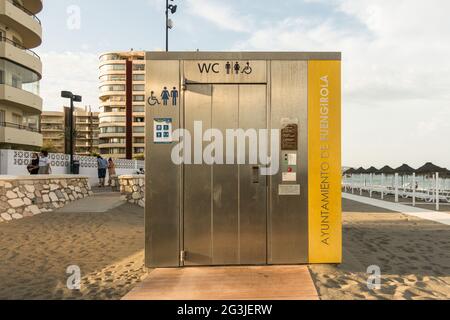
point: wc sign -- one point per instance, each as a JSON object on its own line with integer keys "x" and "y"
{"x": 228, "y": 67}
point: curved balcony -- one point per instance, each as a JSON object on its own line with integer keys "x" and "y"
{"x": 106, "y": 94}
{"x": 23, "y": 21}
{"x": 23, "y": 99}
{"x": 14, "y": 134}
{"x": 15, "y": 52}
{"x": 33, "y": 6}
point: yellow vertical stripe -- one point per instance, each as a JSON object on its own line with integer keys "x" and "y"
{"x": 324, "y": 145}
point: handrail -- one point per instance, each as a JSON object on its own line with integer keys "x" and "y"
{"x": 18, "y": 5}
{"x": 18, "y": 45}
{"x": 18, "y": 126}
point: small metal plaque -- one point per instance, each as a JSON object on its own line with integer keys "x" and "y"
{"x": 289, "y": 189}
{"x": 289, "y": 137}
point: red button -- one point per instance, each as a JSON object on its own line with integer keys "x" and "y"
{"x": 290, "y": 170}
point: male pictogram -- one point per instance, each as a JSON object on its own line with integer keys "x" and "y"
{"x": 174, "y": 94}
{"x": 228, "y": 67}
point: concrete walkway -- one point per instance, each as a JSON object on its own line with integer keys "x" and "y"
{"x": 227, "y": 283}
{"x": 439, "y": 217}
{"x": 98, "y": 203}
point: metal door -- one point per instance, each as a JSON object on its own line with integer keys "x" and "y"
{"x": 225, "y": 206}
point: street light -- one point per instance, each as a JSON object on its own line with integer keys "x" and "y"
{"x": 73, "y": 98}
{"x": 169, "y": 23}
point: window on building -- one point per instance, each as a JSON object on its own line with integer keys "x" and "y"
{"x": 138, "y": 87}
{"x": 138, "y": 109}
{"x": 138, "y": 67}
{"x": 139, "y": 119}
{"x": 139, "y": 150}
{"x": 138, "y": 77}
{"x": 138, "y": 98}
{"x": 112, "y": 67}
{"x": 139, "y": 140}
{"x": 139, "y": 129}
{"x": 2, "y": 117}
{"x": 116, "y": 87}
{"x": 17, "y": 119}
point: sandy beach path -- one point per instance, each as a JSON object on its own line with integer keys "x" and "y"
{"x": 413, "y": 255}
{"x": 107, "y": 246}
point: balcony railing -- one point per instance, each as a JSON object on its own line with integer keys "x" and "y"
{"x": 18, "y": 45}
{"x": 18, "y": 5}
{"x": 18, "y": 126}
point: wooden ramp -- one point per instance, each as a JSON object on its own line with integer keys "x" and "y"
{"x": 227, "y": 283}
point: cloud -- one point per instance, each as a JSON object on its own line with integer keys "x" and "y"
{"x": 396, "y": 73}
{"x": 73, "y": 71}
{"x": 220, "y": 14}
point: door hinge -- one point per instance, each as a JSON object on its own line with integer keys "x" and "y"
{"x": 183, "y": 256}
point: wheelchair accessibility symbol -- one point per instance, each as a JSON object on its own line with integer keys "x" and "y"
{"x": 247, "y": 69}
{"x": 152, "y": 100}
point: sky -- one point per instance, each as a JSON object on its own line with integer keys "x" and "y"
{"x": 396, "y": 70}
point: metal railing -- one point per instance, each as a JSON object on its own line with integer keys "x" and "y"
{"x": 18, "y": 45}
{"x": 18, "y": 5}
{"x": 18, "y": 126}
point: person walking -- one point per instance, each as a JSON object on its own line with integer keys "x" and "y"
{"x": 102, "y": 165}
{"x": 44, "y": 163}
{"x": 33, "y": 167}
{"x": 111, "y": 172}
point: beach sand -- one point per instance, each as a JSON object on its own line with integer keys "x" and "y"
{"x": 413, "y": 255}
{"x": 108, "y": 248}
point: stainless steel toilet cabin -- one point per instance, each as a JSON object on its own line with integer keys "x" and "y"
{"x": 243, "y": 158}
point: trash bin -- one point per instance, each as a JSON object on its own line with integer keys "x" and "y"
{"x": 76, "y": 167}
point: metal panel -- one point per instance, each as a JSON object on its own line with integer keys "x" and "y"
{"x": 197, "y": 183}
{"x": 225, "y": 181}
{"x": 265, "y": 56}
{"x": 163, "y": 176}
{"x": 288, "y": 215}
{"x": 252, "y": 186}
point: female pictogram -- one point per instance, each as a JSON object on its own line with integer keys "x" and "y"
{"x": 152, "y": 100}
{"x": 237, "y": 67}
{"x": 165, "y": 96}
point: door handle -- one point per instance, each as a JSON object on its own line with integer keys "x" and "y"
{"x": 255, "y": 175}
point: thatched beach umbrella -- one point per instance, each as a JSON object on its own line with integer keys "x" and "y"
{"x": 360, "y": 170}
{"x": 350, "y": 171}
{"x": 404, "y": 170}
{"x": 372, "y": 170}
{"x": 387, "y": 170}
{"x": 430, "y": 169}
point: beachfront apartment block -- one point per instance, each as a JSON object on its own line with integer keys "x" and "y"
{"x": 20, "y": 73}
{"x": 54, "y": 126}
{"x": 53, "y": 131}
{"x": 122, "y": 104}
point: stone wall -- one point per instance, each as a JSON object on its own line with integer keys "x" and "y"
{"x": 133, "y": 189}
{"x": 22, "y": 197}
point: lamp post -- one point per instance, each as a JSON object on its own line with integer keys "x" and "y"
{"x": 73, "y": 98}
{"x": 169, "y": 24}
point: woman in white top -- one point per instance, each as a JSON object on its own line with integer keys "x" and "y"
{"x": 44, "y": 163}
